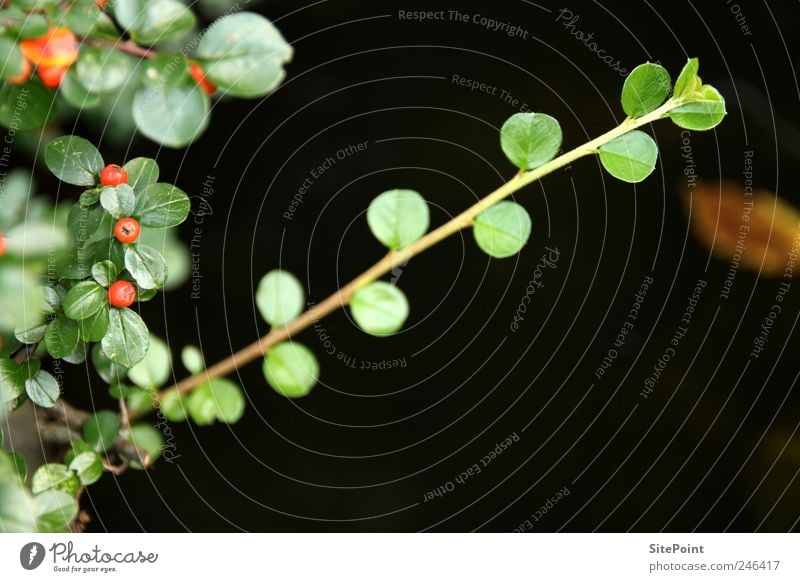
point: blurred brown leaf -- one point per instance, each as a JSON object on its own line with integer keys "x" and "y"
{"x": 719, "y": 212}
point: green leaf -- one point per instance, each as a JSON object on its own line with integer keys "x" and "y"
{"x": 12, "y": 381}
{"x": 101, "y": 430}
{"x": 55, "y": 510}
{"x": 88, "y": 466}
{"x": 154, "y": 370}
{"x": 119, "y": 201}
{"x": 43, "y": 389}
{"x": 35, "y": 238}
{"x": 105, "y": 273}
{"x": 61, "y": 337}
{"x": 54, "y": 476}
{"x": 84, "y": 18}
{"x": 103, "y": 70}
{"x": 11, "y": 62}
{"x": 50, "y": 300}
{"x": 146, "y": 266}
{"x": 24, "y": 24}
{"x": 379, "y": 308}
{"x": 20, "y": 299}
{"x": 17, "y": 512}
{"x": 530, "y": 140}
{"x": 92, "y": 329}
{"x": 630, "y": 157}
{"x": 280, "y": 297}
{"x": 397, "y": 218}
{"x": 243, "y": 54}
{"x": 688, "y": 82}
{"x": 502, "y": 230}
{"x": 147, "y": 439}
{"x": 25, "y": 107}
{"x": 291, "y": 369}
{"x": 78, "y": 355}
{"x": 192, "y": 359}
{"x": 162, "y": 206}
{"x": 20, "y": 465}
{"x": 153, "y": 21}
{"x": 84, "y": 300}
{"x": 110, "y": 372}
{"x": 139, "y": 400}
{"x": 705, "y": 110}
{"x": 127, "y": 338}
{"x": 73, "y": 160}
{"x": 78, "y": 446}
{"x": 142, "y": 172}
{"x": 174, "y": 406}
{"x": 645, "y": 89}
{"x": 76, "y": 94}
{"x": 173, "y": 116}
{"x": 32, "y": 335}
{"x": 218, "y": 399}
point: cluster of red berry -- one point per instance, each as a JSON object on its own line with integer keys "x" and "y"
{"x": 126, "y": 230}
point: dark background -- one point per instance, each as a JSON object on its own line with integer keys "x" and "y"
{"x": 713, "y": 448}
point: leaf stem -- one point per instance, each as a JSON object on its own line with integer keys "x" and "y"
{"x": 341, "y": 297}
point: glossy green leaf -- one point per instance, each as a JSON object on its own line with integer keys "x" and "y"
{"x": 218, "y": 399}
{"x": 127, "y": 339}
{"x": 530, "y": 139}
{"x": 76, "y": 94}
{"x": 55, "y": 510}
{"x": 502, "y": 230}
{"x": 93, "y": 328}
{"x": 173, "y": 116}
{"x": 88, "y": 467}
{"x": 280, "y": 297}
{"x": 688, "y": 82}
{"x": 12, "y": 381}
{"x": 103, "y": 70}
{"x": 104, "y": 273}
{"x": 84, "y": 300}
{"x": 146, "y": 266}
{"x": 119, "y": 201}
{"x": 142, "y": 172}
{"x": 705, "y": 110}
{"x": 162, "y": 206}
{"x": 155, "y": 369}
{"x": 78, "y": 446}
{"x": 153, "y": 21}
{"x": 379, "y": 308}
{"x": 148, "y": 440}
{"x": 645, "y": 89}
{"x": 20, "y": 465}
{"x": 43, "y": 389}
{"x": 243, "y": 54}
{"x": 630, "y": 157}
{"x": 101, "y": 430}
{"x": 25, "y": 107}
{"x": 50, "y": 300}
{"x": 32, "y": 335}
{"x": 54, "y": 476}
{"x": 73, "y": 160}
{"x": 110, "y": 372}
{"x": 397, "y": 218}
{"x": 61, "y": 337}
{"x": 291, "y": 369}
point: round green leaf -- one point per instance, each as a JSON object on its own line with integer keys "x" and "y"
{"x": 502, "y": 230}
{"x": 243, "y": 54}
{"x": 54, "y": 476}
{"x": 192, "y": 359}
{"x": 25, "y": 107}
{"x": 630, "y": 157}
{"x": 162, "y": 206}
{"x": 174, "y": 406}
{"x": 12, "y": 381}
{"x": 705, "y": 110}
{"x": 154, "y": 370}
{"x": 688, "y": 82}
{"x": 173, "y": 116}
{"x": 119, "y": 201}
{"x": 61, "y": 337}
{"x": 50, "y": 300}
{"x": 530, "y": 139}
{"x": 93, "y": 328}
{"x": 379, "y": 308}
{"x": 142, "y": 172}
{"x": 88, "y": 466}
{"x": 103, "y": 70}
{"x": 76, "y": 94}
{"x": 105, "y": 273}
{"x": 398, "y": 217}
{"x": 101, "y": 430}
{"x": 147, "y": 439}
{"x": 280, "y": 297}
{"x": 127, "y": 338}
{"x": 32, "y": 335}
{"x": 219, "y": 399}
{"x": 73, "y": 160}
{"x": 55, "y": 510}
{"x": 84, "y": 300}
{"x": 152, "y": 21}
{"x": 78, "y": 446}
{"x": 291, "y": 369}
{"x": 645, "y": 89}
{"x": 146, "y": 266}
{"x": 110, "y": 372}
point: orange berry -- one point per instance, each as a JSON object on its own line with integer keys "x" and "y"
{"x": 57, "y": 48}
{"x": 51, "y": 76}
{"x": 199, "y": 75}
{"x": 121, "y": 294}
{"x": 127, "y": 230}
{"x": 113, "y": 175}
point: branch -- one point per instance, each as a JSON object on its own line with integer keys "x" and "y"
{"x": 395, "y": 258}
{"x": 128, "y": 46}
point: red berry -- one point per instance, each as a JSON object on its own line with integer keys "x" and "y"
{"x": 127, "y": 230}
{"x": 3, "y": 244}
{"x": 101, "y": 3}
{"x": 51, "y": 76}
{"x": 113, "y": 175}
{"x": 121, "y": 294}
{"x": 199, "y": 75}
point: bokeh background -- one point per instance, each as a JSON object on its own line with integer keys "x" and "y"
{"x": 713, "y": 447}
